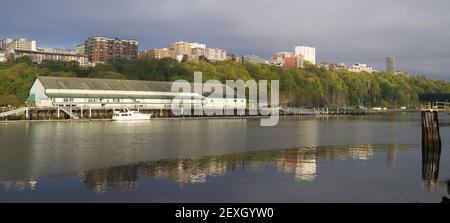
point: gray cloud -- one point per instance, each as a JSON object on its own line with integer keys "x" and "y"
{"x": 416, "y": 32}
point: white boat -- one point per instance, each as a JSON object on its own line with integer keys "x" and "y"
{"x": 127, "y": 115}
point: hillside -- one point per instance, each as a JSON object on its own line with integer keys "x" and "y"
{"x": 309, "y": 86}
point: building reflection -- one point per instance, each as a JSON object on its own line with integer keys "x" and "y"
{"x": 300, "y": 163}
{"x": 18, "y": 185}
{"x": 391, "y": 156}
{"x": 122, "y": 177}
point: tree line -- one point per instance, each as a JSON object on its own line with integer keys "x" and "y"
{"x": 309, "y": 86}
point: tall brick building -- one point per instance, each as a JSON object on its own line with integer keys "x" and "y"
{"x": 102, "y": 49}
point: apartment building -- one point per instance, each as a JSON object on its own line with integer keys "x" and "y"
{"x": 254, "y": 59}
{"x": 278, "y": 58}
{"x": 101, "y": 49}
{"x": 293, "y": 61}
{"x": 156, "y": 54}
{"x": 216, "y": 54}
{"x": 198, "y": 52}
{"x": 332, "y": 66}
{"x": 18, "y": 44}
{"x": 40, "y": 55}
{"x": 181, "y": 48}
{"x": 361, "y": 67}
{"x": 4, "y": 43}
{"x": 234, "y": 57}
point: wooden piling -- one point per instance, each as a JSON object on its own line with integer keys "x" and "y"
{"x": 430, "y": 128}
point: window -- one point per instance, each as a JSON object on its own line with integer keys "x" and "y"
{"x": 93, "y": 100}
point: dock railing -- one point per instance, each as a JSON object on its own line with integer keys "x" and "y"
{"x": 14, "y": 112}
{"x": 439, "y": 106}
{"x": 69, "y": 112}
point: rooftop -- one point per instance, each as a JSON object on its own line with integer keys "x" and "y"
{"x": 103, "y": 84}
{"x": 72, "y": 83}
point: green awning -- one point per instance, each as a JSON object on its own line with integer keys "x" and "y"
{"x": 31, "y": 98}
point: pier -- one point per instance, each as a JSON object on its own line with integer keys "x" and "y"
{"x": 99, "y": 113}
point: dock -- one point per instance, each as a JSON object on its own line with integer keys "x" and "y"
{"x": 96, "y": 113}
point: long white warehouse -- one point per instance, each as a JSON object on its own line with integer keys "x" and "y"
{"x": 108, "y": 93}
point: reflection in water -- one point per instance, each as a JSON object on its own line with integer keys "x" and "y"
{"x": 99, "y": 180}
{"x": 431, "y": 154}
{"x": 430, "y": 166}
{"x": 391, "y": 157}
{"x": 19, "y": 185}
{"x": 302, "y": 163}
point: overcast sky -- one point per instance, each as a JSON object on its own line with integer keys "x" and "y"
{"x": 417, "y": 32}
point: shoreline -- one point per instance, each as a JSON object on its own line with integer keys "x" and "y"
{"x": 204, "y": 117}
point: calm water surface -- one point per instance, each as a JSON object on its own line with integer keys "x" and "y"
{"x": 340, "y": 159}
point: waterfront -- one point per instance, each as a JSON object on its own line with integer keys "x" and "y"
{"x": 373, "y": 158}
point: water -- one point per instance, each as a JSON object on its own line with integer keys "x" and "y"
{"x": 339, "y": 159}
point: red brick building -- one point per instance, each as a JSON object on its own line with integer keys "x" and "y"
{"x": 102, "y": 49}
{"x": 294, "y": 61}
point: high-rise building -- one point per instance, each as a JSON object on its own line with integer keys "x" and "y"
{"x": 308, "y": 53}
{"x": 390, "y": 64}
{"x": 102, "y": 49}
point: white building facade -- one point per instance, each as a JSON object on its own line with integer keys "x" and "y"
{"x": 216, "y": 54}
{"x": 40, "y": 55}
{"x": 308, "y": 53}
{"x": 18, "y": 44}
{"x": 361, "y": 67}
{"x": 3, "y": 58}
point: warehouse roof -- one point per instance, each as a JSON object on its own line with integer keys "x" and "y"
{"x": 72, "y": 83}
{"x": 103, "y": 84}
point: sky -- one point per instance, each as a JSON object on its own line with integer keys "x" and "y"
{"x": 416, "y": 32}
